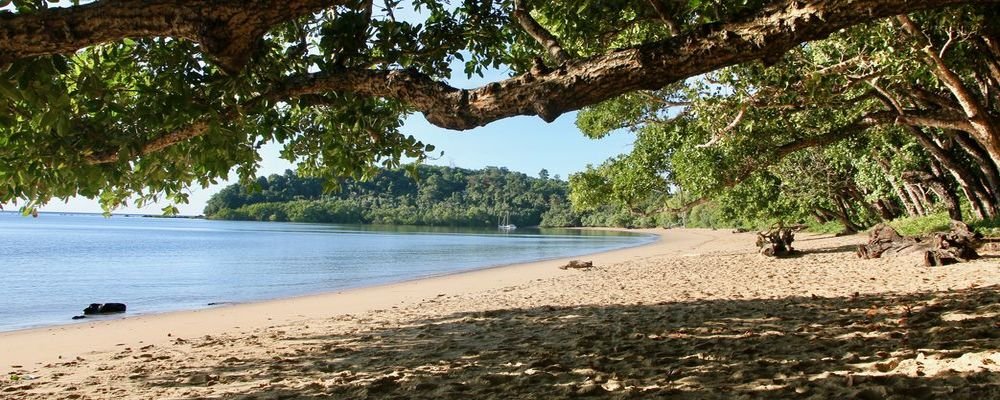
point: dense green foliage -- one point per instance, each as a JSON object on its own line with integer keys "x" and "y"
{"x": 866, "y": 126}
{"x": 440, "y": 196}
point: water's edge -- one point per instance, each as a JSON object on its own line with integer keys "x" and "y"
{"x": 393, "y": 269}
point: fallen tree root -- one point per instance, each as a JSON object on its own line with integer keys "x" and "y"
{"x": 776, "y": 242}
{"x": 942, "y": 248}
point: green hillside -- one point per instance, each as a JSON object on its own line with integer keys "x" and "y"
{"x": 440, "y": 196}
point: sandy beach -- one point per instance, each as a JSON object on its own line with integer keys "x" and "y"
{"x": 695, "y": 315}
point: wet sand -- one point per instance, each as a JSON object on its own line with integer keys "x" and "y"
{"x": 697, "y": 314}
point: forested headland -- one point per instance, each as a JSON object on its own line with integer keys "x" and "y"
{"x": 420, "y": 195}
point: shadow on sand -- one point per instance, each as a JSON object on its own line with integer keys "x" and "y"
{"x": 917, "y": 346}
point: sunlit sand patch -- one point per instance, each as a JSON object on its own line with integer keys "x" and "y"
{"x": 960, "y": 316}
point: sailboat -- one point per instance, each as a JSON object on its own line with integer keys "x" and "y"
{"x": 505, "y": 224}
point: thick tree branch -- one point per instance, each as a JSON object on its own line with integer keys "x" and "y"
{"x": 941, "y": 69}
{"x": 780, "y": 26}
{"x": 651, "y": 66}
{"x": 907, "y": 118}
{"x": 522, "y": 13}
{"x": 228, "y": 30}
{"x": 942, "y": 119}
{"x": 931, "y": 98}
{"x": 830, "y": 137}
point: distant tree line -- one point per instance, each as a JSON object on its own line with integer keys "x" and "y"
{"x": 420, "y": 195}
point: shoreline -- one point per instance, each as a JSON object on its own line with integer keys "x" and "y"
{"x": 653, "y": 238}
{"x": 19, "y": 347}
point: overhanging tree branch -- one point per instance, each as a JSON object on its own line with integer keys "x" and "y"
{"x": 985, "y": 129}
{"x": 852, "y": 129}
{"x": 227, "y": 30}
{"x": 778, "y": 27}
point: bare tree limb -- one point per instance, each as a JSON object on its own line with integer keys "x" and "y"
{"x": 929, "y": 121}
{"x": 195, "y": 129}
{"x": 928, "y": 97}
{"x": 947, "y": 44}
{"x": 522, "y": 13}
{"x": 662, "y": 101}
{"x": 842, "y": 66}
{"x": 718, "y": 136}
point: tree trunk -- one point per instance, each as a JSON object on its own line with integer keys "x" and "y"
{"x": 989, "y": 170}
{"x": 859, "y": 197}
{"x": 903, "y": 197}
{"x": 844, "y": 215}
{"x": 940, "y": 188}
{"x": 966, "y": 179}
{"x": 919, "y": 201}
{"x": 886, "y": 210}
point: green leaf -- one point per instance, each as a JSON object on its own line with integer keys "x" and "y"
{"x": 170, "y": 210}
{"x": 8, "y": 90}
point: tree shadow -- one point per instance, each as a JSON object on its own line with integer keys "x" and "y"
{"x": 914, "y": 346}
{"x": 799, "y": 253}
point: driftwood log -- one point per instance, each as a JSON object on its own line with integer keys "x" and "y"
{"x": 942, "y": 248}
{"x": 776, "y": 242}
{"x": 577, "y": 264}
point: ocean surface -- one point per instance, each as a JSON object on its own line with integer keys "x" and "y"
{"x": 53, "y": 266}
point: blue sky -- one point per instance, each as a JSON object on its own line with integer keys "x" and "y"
{"x": 525, "y": 144}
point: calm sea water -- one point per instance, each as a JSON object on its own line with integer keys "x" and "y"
{"x": 53, "y": 266}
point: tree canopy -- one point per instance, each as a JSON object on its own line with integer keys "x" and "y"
{"x": 115, "y": 99}
{"x": 894, "y": 118}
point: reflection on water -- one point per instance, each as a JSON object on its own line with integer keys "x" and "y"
{"x": 54, "y": 265}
